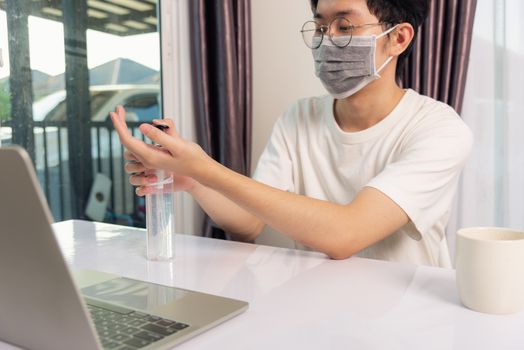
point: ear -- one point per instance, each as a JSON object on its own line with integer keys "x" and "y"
{"x": 400, "y": 39}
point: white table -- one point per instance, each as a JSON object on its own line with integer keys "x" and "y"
{"x": 299, "y": 300}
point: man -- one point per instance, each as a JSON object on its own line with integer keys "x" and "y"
{"x": 369, "y": 169}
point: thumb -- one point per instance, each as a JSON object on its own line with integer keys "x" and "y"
{"x": 171, "y": 128}
{"x": 157, "y": 136}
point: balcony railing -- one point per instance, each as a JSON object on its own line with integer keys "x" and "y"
{"x": 54, "y": 173}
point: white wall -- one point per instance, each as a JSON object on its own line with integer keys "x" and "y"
{"x": 282, "y": 72}
{"x": 177, "y": 92}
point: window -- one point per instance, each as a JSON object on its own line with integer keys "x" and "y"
{"x": 142, "y": 107}
{"x": 58, "y": 113}
{"x": 120, "y": 51}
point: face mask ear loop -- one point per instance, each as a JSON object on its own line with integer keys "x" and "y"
{"x": 390, "y": 57}
{"x": 386, "y": 32}
{"x": 384, "y": 65}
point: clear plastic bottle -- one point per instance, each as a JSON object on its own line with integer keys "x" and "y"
{"x": 160, "y": 224}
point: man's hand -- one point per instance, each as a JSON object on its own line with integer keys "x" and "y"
{"x": 141, "y": 177}
{"x": 176, "y": 154}
{"x": 188, "y": 163}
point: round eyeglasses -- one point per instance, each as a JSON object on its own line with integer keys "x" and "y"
{"x": 339, "y": 30}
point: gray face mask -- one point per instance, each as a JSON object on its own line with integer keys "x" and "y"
{"x": 344, "y": 71}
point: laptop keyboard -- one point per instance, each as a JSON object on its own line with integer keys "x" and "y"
{"x": 124, "y": 329}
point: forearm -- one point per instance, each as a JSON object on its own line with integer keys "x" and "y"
{"x": 337, "y": 230}
{"x": 242, "y": 225}
{"x": 314, "y": 223}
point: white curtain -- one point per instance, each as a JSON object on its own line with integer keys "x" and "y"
{"x": 492, "y": 188}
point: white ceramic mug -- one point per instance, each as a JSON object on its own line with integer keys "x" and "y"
{"x": 490, "y": 269}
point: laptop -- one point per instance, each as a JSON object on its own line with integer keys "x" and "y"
{"x": 43, "y": 305}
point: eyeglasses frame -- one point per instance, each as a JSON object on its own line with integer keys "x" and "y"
{"x": 325, "y": 28}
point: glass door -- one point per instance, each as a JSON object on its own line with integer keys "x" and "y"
{"x": 84, "y": 59}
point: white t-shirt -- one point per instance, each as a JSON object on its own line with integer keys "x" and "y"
{"x": 414, "y": 156}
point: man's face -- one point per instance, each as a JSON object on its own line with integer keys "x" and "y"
{"x": 357, "y": 12}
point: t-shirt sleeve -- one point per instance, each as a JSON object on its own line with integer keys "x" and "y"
{"x": 424, "y": 178}
{"x": 275, "y": 166}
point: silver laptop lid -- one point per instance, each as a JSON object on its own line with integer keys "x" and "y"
{"x": 40, "y": 305}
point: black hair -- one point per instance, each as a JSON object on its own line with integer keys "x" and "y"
{"x": 393, "y": 12}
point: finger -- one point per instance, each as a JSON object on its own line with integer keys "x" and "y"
{"x": 144, "y": 190}
{"x": 160, "y": 137}
{"x": 137, "y": 147}
{"x": 134, "y": 167}
{"x": 142, "y": 180}
{"x": 170, "y": 124}
{"x": 130, "y": 156}
{"x": 141, "y": 191}
{"x": 119, "y": 122}
{"x": 118, "y": 115}
{"x": 121, "y": 112}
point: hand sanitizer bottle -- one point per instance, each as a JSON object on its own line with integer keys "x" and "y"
{"x": 160, "y": 225}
